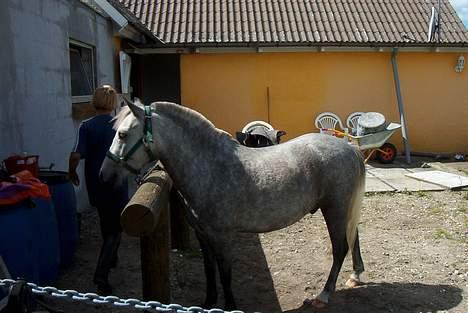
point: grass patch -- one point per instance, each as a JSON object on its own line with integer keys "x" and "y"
{"x": 371, "y": 275}
{"x": 442, "y": 234}
{"x": 465, "y": 196}
{"x": 406, "y": 192}
{"x": 418, "y": 193}
{"x": 436, "y": 210}
{"x": 421, "y": 194}
{"x": 463, "y": 210}
{"x": 377, "y": 193}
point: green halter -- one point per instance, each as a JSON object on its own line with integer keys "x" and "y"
{"x": 145, "y": 141}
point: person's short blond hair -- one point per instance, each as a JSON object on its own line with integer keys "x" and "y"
{"x": 105, "y": 98}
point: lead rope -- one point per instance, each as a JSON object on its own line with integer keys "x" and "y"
{"x": 140, "y": 179}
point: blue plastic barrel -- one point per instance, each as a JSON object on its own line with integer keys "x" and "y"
{"x": 17, "y": 240}
{"x": 46, "y": 248}
{"x": 63, "y": 196}
{"x": 29, "y": 240}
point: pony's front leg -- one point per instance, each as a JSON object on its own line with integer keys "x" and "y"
{"x": 223, "y": 253}
{"x": 210, "y": 271}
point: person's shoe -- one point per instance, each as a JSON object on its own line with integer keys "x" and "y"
{"x": 104, "y": 289}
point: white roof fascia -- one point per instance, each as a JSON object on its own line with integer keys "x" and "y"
{"x": 208, "y": 50}
{"x": 115, "y": 15}
{"x": 125, "y": 29}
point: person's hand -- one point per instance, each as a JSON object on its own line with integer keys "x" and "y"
{"x": 73, "y": 177}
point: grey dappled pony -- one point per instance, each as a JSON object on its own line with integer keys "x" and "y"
{"x": 232, "y": 188}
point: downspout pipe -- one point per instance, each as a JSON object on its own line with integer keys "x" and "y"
{"x": 401, "y": 108}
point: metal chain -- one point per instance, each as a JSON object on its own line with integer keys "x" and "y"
{"x": 92, "y": 298}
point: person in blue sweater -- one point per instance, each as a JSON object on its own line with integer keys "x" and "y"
{"x": 94, "y": 138}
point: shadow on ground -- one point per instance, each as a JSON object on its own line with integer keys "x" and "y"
{"x": 252, "y": 280}
{"x": 252, "y": 283}
{"x": 391, "y": 297}
{"x": 400, "y": 162}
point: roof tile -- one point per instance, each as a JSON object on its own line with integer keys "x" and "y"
{"x": 198, "y": 22}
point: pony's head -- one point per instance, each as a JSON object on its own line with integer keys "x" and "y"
{"x": 133, "y": 144}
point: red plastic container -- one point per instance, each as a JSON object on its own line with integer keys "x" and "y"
{"x": 17, "y": 163}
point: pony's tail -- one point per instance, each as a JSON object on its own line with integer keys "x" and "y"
{"x": 354, "y": 212}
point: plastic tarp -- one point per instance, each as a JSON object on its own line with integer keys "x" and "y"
{"x": 25, "y": 186}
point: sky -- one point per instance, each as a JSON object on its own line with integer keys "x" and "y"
{"x": 461, "y": 6}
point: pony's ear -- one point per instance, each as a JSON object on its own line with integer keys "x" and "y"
{"x": 136, "y": 110}
{"x": 242, "y": 137}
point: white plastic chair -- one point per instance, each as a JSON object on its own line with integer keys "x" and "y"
{"x": 352, "y": 121}
{"x": 328, "y": 120}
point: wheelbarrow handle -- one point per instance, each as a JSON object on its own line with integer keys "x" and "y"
{"x": 340, "y": 133}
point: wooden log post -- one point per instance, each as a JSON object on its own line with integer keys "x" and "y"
{"x": 147, "y": 216}
{"x": 155, "y": 262}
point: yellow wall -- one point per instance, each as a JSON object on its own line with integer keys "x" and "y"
{"x": 232, "y": 89}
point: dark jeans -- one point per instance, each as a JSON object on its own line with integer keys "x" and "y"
{"x": 111, "y": 231}
{"x": 107, "y": 258}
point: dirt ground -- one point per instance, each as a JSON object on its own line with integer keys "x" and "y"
{"x": 414, "y": 246}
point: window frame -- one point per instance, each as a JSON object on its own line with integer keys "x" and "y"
{"x": 75, "y": 44}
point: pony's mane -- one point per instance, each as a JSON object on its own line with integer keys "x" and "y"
{"x": 189, "y": 117}
{"x": 119, "y": 117}
{"x": 177, "y": 113}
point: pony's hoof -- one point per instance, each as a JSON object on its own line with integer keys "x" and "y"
{"x": 352, "y": 283}
{"x": 316, "y": 303}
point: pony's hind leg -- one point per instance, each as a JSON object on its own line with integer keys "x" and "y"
{"x": 358, "y": 265}
{"x": 210, "y": 272}
{"x": 336, "y": 224}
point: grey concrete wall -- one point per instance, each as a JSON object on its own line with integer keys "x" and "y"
{"x": 36, "y": 103}
{"x": 10, "y": 139}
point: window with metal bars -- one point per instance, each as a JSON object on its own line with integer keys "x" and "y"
{"x": 83, "y": 78}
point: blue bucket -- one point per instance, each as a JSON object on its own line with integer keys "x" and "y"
{"x": 29, "y": 240}
{"x": 63, "y": 196}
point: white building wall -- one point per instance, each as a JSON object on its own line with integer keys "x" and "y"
{"x": 35, "y": 92}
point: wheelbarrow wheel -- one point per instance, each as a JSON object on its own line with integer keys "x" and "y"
{"x": 388, "y": 155}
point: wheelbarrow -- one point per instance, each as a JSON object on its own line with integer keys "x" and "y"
{"x": 374, "y": 142}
